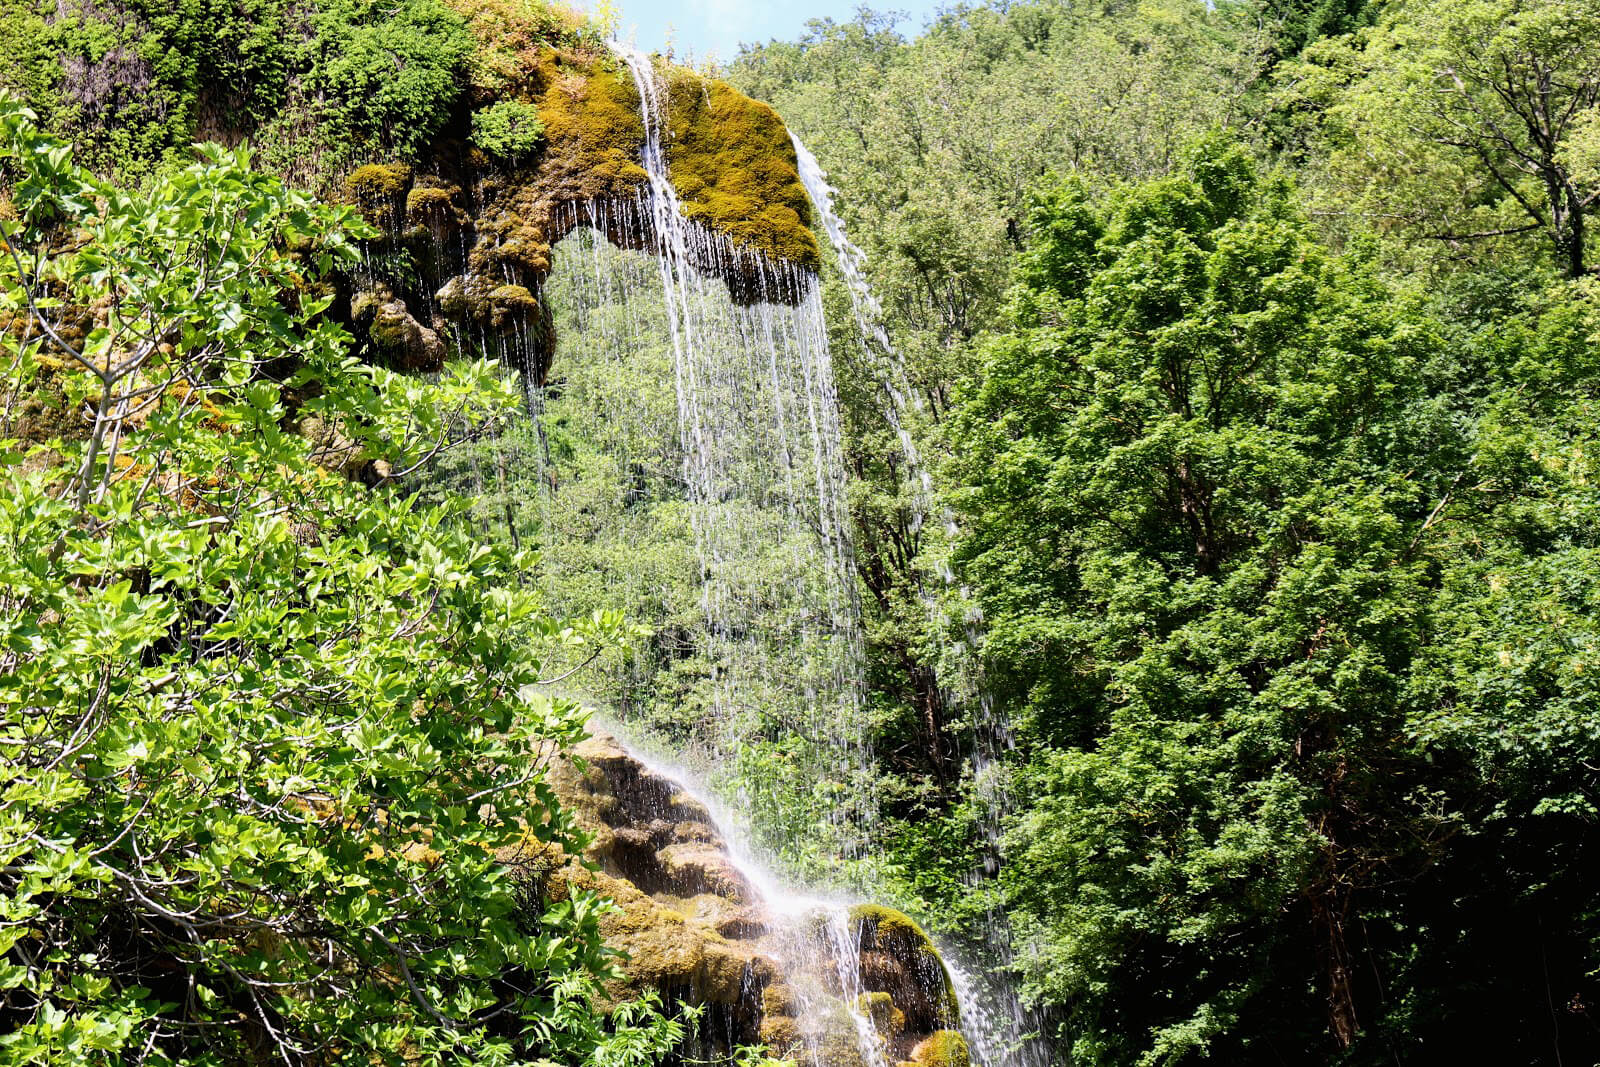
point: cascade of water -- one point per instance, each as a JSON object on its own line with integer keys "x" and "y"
{"x": 674, "y": 407}
{"x": 889, "y": 369}
{"x": 837, "y": 958}
{"x": 997, "y": 1021}
{"x": 720, "y": 418}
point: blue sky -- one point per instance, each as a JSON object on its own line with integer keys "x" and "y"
{"x": 699, "y": 28}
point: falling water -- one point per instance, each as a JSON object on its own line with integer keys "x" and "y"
{"x": 888, "y": 369}
{"x": 687, "y": 454}
{"x": 694, "y": 444}
{"x": 997, "y": 1021}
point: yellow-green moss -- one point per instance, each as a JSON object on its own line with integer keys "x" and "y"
{"x": 593, "y": 131}
{"x": 593, "y": 134}
{"x": 735, "y": 169}
{"x": 379, "y": 190}
{"x": 946, "y": 1048}
{"x": 839, "y": 1042}
{"x": 887, "y": 1019}
{"x": 514, "y": 299}
{"x": 781, "y": 1034}
{"x": 890, "y": 922}
{"x": 897, "y": 935}
{"x": 433, "y": 203}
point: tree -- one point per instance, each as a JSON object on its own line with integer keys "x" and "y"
{"x": 1245, "y": 520}
{"x": 1456, "y": 119}
{"x": 270, "y": 748}
{"x": 1194, "y": 564}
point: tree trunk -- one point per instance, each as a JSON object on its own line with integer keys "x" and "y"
{"x": 1330, "y": 907}
{"x": 1574, "y": 242}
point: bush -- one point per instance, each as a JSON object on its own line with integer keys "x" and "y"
{"x": 509, "y": 129}
{"x": 389, "y": 76}
{"x": 269, "y": 740}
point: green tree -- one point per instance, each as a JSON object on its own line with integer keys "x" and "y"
{"x": 1226, "y": 496}
{"x": 1188, "y": 524}
{"x": 1456, "y": 121}
{"x": 270, "y": 742}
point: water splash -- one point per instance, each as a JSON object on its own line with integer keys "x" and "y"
{"x": 851, "y": 985}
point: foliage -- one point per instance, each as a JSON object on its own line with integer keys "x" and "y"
{"x": 1225, "y": 494}
{"x": 269, "y": 740}
{"x": 1461, "y": 121}
{"x": 509, "y": 129}
{"x": 935, "y": 141}
{"x": 321, "y": 86}
{"x": 388, "y": 73}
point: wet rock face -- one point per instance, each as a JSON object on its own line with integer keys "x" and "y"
{"x": 465, "y": 240}
{"x": 838, "y": 986}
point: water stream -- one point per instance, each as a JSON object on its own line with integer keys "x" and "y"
{"x": 683, "y": 462}
{"x": 998, "y": 1022}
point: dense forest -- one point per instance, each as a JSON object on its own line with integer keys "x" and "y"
{"x": 1157, "y": 551}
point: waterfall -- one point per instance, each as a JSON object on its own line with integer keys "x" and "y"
{"x": 694, "y": 444}
{"x": 888, "y": 368}
{"x": 996, "y": 1020}
{"x": 682, "y": 463}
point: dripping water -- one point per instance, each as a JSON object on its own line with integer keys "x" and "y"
{"x": 997, "y": 1021}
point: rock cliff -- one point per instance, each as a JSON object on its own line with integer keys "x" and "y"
{"x": 833, "y": 984}
{"x": 473, "y": 135}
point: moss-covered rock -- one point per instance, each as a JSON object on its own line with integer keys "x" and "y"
{"x": 379, "y": 190}
{"x": 396, "y": 336}
{"x": 945, "y": 1048}
{"x": 436, "y": 205}
{"x": 886, "y": 1017}
{"x": 898, "y": 958}
{"x": 526, "y": 120}
{"x": 692, "y": 927}
{"x": 735, "y": 169}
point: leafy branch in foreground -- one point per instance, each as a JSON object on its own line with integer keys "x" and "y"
{"x": 269, "y": 740}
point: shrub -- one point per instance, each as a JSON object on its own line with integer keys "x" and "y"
{"x": 509, "y": 129}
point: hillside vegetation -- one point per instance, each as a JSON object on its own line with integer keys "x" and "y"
{"x": 1256, "y": 351}
{"x": 1229, "y": 570}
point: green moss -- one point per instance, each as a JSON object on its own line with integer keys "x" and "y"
{"x": 781, "y": 1035}
{"x": 435, "y": 204}
{"x": 839, "y": 1043}
{"x": 889, "y": 922}
{"x": 946, "y": 1048}
{"x": 735, "y": 169}
{"x": 379, "y": 190}
{"x": 593, "y": 135}
{"x": 512, "y": 304}
{"x": 593, "y": 131}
